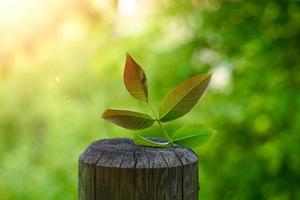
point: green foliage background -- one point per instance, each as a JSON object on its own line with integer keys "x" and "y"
{"x": 52, "y": 94}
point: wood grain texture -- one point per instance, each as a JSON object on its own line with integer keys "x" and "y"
{"x": 117, "y": 169}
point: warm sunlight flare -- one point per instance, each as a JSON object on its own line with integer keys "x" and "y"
{"x": 127, "y": 7}
{"x": 23, "y": 22}
{"x": 18, "y": 15}
{"x": 13, "y": 11}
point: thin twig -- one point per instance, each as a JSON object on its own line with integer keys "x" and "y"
{"x": 160, "y": 124}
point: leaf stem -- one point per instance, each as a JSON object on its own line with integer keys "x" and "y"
{"x": 160, "y": 124}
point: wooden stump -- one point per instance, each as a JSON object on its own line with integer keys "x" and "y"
{"x": 117, "y": 169}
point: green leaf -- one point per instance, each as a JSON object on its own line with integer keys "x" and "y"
{"x": 135, "y": 79}
{"x": 183, "y": 98}
{"x": 140, "y": 140}
{"x": 193, "y": 135}
{"x": 128, "y": 119}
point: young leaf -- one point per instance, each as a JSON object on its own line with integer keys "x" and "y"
{"x": 183, "y": 98}
{"x": 128, "y": 119}
{"x": 135, "y": 79}
{"x": 140, "y": 140}
{"x": 193, "y": 135}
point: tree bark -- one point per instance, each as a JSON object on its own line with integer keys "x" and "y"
{"x": 117, "y": 169}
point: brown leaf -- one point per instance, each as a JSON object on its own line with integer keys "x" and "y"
{"x": 135, "y": 79}
{"x": 183, "y": 98}
{"x": 128, "y": 119}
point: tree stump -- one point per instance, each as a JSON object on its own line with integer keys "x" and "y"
{"x": 117, "y": 169}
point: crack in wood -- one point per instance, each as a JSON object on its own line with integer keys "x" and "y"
{"x": 117, "y": 169}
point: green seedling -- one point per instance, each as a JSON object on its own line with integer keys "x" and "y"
{"x": 176, "y": 104}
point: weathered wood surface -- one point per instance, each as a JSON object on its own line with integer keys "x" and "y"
{"x": 117, "y": 169}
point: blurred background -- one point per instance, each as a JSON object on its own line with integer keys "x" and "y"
{"x": 61, "y": 65}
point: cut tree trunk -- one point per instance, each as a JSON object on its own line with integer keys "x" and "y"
{"x": 117, "y": 169}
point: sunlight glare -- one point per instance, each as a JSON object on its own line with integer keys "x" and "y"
{"x": 128, "y": 7}
{"x": 221, "y": 76}
{"x": 13, "y": 11}
{"x": 22, "y": 22}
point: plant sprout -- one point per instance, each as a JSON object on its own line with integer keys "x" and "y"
{"x": 176, "y": 104}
